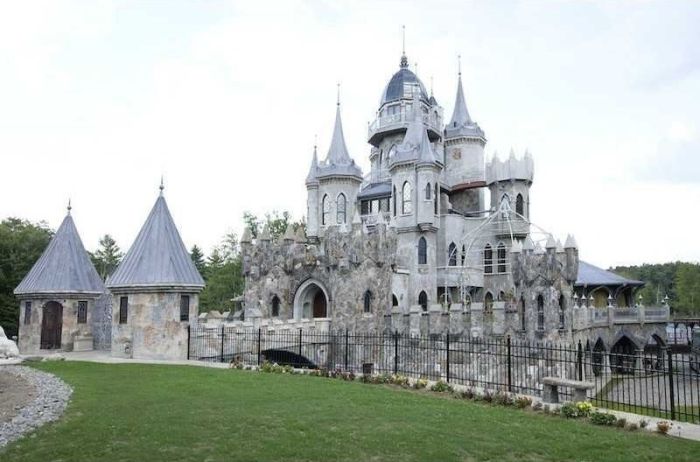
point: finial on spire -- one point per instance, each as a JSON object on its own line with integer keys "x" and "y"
{"x": 315, "y": 142}
{"x": 69, "y": 208}
{"x": 162, "y": 185}
{"x": 404, "y": 59}
{"x": 459, "y": 65}
{"x": 337, "y": 99}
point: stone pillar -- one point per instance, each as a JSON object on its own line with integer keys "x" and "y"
{"x": 414, "y": 320}
{"x": 396, "y": 320}
{"x": 477, "y": 320}
{"x": 456, "y": 321}
{"x": 499, "y": 318}
{"x": 434, "y": 318}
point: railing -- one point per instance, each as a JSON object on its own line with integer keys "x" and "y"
{"x": 656, "y": 382}
{"x": 372, "y": 219}
{"x": 638, "y": 314}
{"x": 400, "y": 119}
{"x": 375, "y": 176}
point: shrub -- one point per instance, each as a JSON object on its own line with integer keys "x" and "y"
{"x": 467, "y": 394}
{"x": 632, "y": 426}
{"x": 441, "y": 387}
{"x": 521, "y": 402}
{"x": 584, "y": 408}
{"x": 643, "y": 423}
{"x": 400, "y": 380}
{"x": 663, "y": 426}
{"x": 502, "y": 399}
{"x": 602, "y": 418}
{"x": 420, "y": 384}
{"x": 621, "y": 422}
{"x": 487, "y": 396}
{"x": 537, "y": 406}
{"x": 569, "y": 410}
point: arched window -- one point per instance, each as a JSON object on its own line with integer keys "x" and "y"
{"x": 522, "y": 313}
{"x": 501, "y": 296}
{"x": 275, "y": 306}
{"x": 393, "y": 198}
{"x": 423, "y": 300}
{"x": 368, "y": 301}
{"x": 392, "y": 149}
{"x": 501, "y": 254}
{"x": 562, "y": 308}
{"x": 394, "y": 300}
{"x": 488, "y": 259}
{"x": 428, "y": 192}
{"x": 325, "y": 210}
{"x": 519, "y": 206}
{"x": 435, "y": 199}
{"x": 381, "y": 158}
{"x": 422, "y": 251}
{"x": 406, "y": 204}
{"x": 452, "y": 255}
{"x": 340, "y": 204}
{"x": 488, "y": 303}
{"x": 464, "y": 255}
{"x": 540, "y": 313}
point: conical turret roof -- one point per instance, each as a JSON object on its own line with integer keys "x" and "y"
{"x": 63, "y": 268}
{"x": 461, "y": 123}
{"x": 158, "y": 257}
{"x": 338, "y": 161}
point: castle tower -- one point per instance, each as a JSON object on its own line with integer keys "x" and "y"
{"x": 312, "y": 205}
{"x": 335, "y": 183}
{"x": 155, "y": 292}
{"x": 464, "y": 157}
{"x": 58, "y": 296}
{"x": 509, "y": 182}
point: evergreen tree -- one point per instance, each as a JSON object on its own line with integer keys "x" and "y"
{"x": 107, "y": 257}
{"x": 688, "y": 289}
{"x": 197, "y": 257}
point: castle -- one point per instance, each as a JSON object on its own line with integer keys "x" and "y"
{"x": 411, "y": 247}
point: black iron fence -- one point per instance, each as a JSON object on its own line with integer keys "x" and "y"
{"x": 658, "y": 382}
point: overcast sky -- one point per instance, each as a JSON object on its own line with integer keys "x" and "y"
{"x": 98, "y": 99}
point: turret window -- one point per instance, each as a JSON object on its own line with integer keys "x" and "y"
{"x": 423, "y": 300}
{"x": 422, "y": 251}
{"x": 27, "y": 312}
{"x": 540, "y": 313}
{"x": 275, "y": 306}
{"x": 488, "y": 259}
{"x": 501, "y": 254}
{"x": 406, "y": 203}
{"x": 435, "y": 199}
{"x": 123, "y": 309}
{"x": 428, "y": 192}
{"x": 562, "y": 311}
{"x": 393, "y": 198}
{"x": 82, "y": 311}
{"x": 184, "y": 307}
{"x": 519, "y": 205}
{"x": 340, "y": 204}
{"x": 452, "y": 255}
{"x": 325, "y": 210}
{"x": 367, "y": 302}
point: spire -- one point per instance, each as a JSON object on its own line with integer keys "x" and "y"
{"x": 311, "y": 177}
{"x": 460, "y": 115}
{"x": 162, "y": 186}
{"x": 338, "y": 152}
{"x": 69, "y": 208}
{"x": 404, "y": 59}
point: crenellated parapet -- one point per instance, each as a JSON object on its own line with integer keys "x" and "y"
{"x": 511, "y": 169}
{"x": 531, "y": 264}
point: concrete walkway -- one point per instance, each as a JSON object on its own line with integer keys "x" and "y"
{"x": 680, "y": 429}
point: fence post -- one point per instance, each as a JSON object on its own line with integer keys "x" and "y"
{"x": 672, "y": 392}
{"x": 346, "y": 349}
{"x": 579, "y": 360}
{"x": 510, "y": 366}
{"x": 259, "y": 342}
{"x": 447, "y": 347}
{"x": 189, "y": 341}
{"x": 396, "y": 352}
{"x": 300, "y": 343}
{"x": 222, "y": 343}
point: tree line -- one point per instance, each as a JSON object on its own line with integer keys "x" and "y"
{"x": 22, "y": 243}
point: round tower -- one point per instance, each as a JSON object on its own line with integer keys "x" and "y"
{"x": 509, "y": 183}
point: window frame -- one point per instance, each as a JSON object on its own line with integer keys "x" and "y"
{"x": 423, "y": 300}
{"x": 339, "y": 211}
{"x": 82, "y": 312}
{"x": 27, "y": 312}
{"x": 452, "y": 254}
{"x": 406, "y": 198}
{"x": 488, "y": 259}
{"x": 540, "y": 313}
{"x": 325, "y": 210}
{"x": 367, "y": 302}
{"x": 185, "y": 307}
{"x": 124, "y": 309}
{"x": 422, "y": 251}
{"x": 501, "y": 258}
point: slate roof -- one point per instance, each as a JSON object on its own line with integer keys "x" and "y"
{"x": 394, "y": 90}
{"x": 63, "y": 268}
{"x": 158, "y": 257}
{"x": 375, "y": 191}
{"x": 338, "y": 161}
{"x": 461, "y": 123}
{"x": 591, "y": 275}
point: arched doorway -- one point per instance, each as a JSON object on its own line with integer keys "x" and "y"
{"x": 311, "y": 301}
{"x": 598, "y": 357}
{"x": 623, "y": 356}
{"x": 51, "y": 324}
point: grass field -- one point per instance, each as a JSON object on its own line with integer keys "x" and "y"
{"x": 135, "y": 412}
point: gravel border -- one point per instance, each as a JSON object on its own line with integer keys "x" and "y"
{"x": 53, "y": 395}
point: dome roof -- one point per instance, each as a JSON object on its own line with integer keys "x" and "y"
{"x": 396, "y": 88}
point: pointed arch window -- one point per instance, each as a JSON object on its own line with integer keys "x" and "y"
{"x": 522, "y": 313}
{"x": 423, "y": 300}
{"x": 519, "y": 205}
{"x": 325, "y": 210}
{"x": 488, "y": 303}
{"x": 435, "y": 199}
{"x": 488, "y": 259}
{"x": 394, "y": 300}
{"x": 452, "y": 255}
{"x": 368, "y": 302}
{"x": 340, "y": 207}
{"x": 540, "y": 313}
{"x": 422, "y": 251}
{"x": 428, "y": 192}
{"x": 562, "y": 311}
{"x": 393, "y": 199}
{"x": 406, "y": 203}
{"x": 501, "y": 255}
{"x": 464, "y": 255}
{"x": 275, "y": 306}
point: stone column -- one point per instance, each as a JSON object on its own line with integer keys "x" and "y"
{"x": 414, "y": 320}
{"x": 456, "y": 319}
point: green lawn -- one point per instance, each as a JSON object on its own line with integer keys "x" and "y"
{"x": 138, "y": 412}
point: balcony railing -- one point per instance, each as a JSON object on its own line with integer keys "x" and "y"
{"x": 400, "y": 119}
{"x": 633, "y": 315}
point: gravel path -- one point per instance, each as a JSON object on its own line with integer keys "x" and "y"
{"x": 51, "y": 398}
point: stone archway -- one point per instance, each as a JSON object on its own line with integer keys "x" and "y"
{"x": 623, "y": 356}
{"x": 51, "y": 325}
{"x": 311, "y": 301}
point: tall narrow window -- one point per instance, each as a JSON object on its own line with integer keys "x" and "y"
{"x": 184, "y": 307}
{"x": 452, "y": 255}
{"x": 501, "y": 254}
{"x": 393, "y": 199}
{"x": 488, "y": 303}
{"x": 123, "y": 309}
{"x": 275, "y": 306}
{"x": 435, "y": 199}
{"x": 519, "y": 206}
{"x": 82, "y": 311}
{"x": 522, "y": 313}
{"x": 562, "y": 311}
{"x": 423, "y": 300}
{"x": 422, "y": 251}
{"x": 340, "y": 204}
{"x": 394, "y": 300}
{"x": 27, "y": 312}
{"x": 368, "y": 302}
{"x": 325, "y": 210}
{"x": 428, "y": 192}
{"x": 488, "y": 259}
{"x": 540, "y": 313}
{"x": 464, "y": 255}
{"x": 406, "y": 204}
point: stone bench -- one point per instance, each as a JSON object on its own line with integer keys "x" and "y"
{"x": 550, "y": 393}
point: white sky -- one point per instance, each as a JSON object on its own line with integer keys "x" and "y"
{"x": 98, "y": 99}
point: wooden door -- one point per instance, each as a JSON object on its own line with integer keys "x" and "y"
{"x": 51, "y": 324}
{"x": 319, "y": 305}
